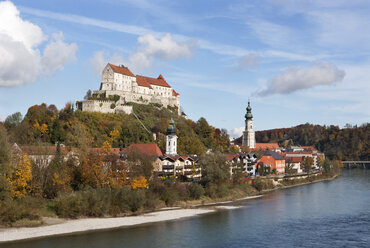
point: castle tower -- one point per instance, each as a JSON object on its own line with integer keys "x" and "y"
{"x": 248, "y": 135}
{"x": 171, "y": 139}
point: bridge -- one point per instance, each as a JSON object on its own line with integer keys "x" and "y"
{"x": 356, "y": 164}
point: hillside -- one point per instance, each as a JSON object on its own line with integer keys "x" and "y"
{"x": 45, "y": 124}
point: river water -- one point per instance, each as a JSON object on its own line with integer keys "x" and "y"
{"x": 325, "y": 214}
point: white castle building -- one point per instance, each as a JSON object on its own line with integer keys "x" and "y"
{"x": 119, "y": 86}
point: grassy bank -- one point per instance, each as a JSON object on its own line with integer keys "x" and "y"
{"x": 29, "y": 211}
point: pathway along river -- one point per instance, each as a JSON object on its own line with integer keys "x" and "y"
{"x": 325, "y": 214}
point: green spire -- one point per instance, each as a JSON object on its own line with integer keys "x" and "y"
{"x": 171, "y": 130}
{"x": 249, "y": 115}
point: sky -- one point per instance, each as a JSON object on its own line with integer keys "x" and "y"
{"x": 296, "y": 61}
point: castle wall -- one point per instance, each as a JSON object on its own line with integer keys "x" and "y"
{"x": 105, "y": 106}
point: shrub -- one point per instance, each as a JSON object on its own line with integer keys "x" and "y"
{"x": 196, "y": 191}
{"x": 135, "y": 200}
{"x": 182, "y": 191}
{"x": 119, "y": 199}
{"x": 258, "y": 184}
{"x": 69, "y": 206}
{"x": 169, "y": 196}
{"x": 20, "y": 209}
{"x": 151, "y": 200}
{"x": 112, "y": 106}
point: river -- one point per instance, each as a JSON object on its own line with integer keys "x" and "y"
{"x": 324, "y": 214}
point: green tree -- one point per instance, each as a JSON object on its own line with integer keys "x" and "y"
{"x": 307, "y": 164}
{"x": 326, "y": 165}
{"x": 215, "y": 168}
{"x": 13, "y": 121}
{"x": 5, "y": 168}
{"x": 238, "y": 172}
{"x": 190, "y": 146}
{"x": 140, "y": 164}
{"x": 79, "y": 137}
{"x": 57, "y": 178}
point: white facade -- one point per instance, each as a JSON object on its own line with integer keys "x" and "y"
{"x": 171, "y": 145}
{"x": 249, "y": 135}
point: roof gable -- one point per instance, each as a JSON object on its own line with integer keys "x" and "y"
{"x": 266, "y": 146}
{"x": 121, "y": 70}
{"x": 150, "y": 149}
{"x": 148, "y": 81}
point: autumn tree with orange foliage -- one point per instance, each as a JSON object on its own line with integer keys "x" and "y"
{"x": 21, "y": 175}
{"x": 102, "y": 168}
{"x": 92, "y": 171}
{"x": 139, "y": 183}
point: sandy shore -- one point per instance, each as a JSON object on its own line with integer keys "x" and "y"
{"x": 60, "y": 226}
{"x": 83, "y": 225}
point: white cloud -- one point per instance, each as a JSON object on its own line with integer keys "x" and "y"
{"x": 237, "y": 132}
{"x": 19, "y": 30}
{"x": 20, "y": 59}
{"x": 149, "y": 48}
{"x": 57, "y": 53}
{"x": 247, "y": 62}
{"x": 101, "y": 58}
{"x": 2, "y": 118}
{"x": 18, "y": 64}
{"x": 165, "y": 48}
{"x": 295, "y": 78}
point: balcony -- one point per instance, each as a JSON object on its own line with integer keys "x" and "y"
{"x": 167, "y": 167}
{"x": 195, "y": 173}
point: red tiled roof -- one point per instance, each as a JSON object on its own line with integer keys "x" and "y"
{"x": 266, "y": 146}
{"x": 150, "y": 149}
{"x": 147, "y": 81}
{"x": 174, "y": 93}
{"x": 231, "y": 156}
{"x": 122, "y": 70}
{"x": 141, "y": 81}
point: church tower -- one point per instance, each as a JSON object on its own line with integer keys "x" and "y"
{"x": 171, "y": 139}
{"x": 248, "y": 135}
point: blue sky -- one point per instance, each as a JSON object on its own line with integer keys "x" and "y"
{"x": 297, "y": 61}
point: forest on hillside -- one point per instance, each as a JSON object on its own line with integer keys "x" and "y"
{"x": 348, "y": 143}
{"x": 45, "y": 125}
